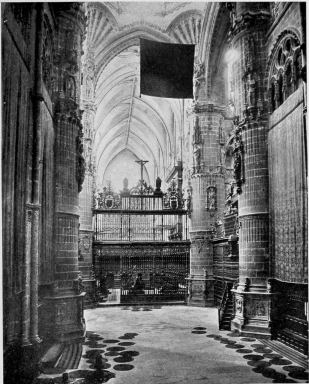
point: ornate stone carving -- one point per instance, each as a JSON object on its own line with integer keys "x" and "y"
{"x": 239, "y": 305}
{"x": 218, "y": 229}
{"x": 198, "y": 78}
{"x": 108, "y": 199}
{"x": 173, "y": 198}
{"x": 238, "y": 152}
{"x": 285, "y": 69}
{"x": 197, "y": 158}
{"x": 189, "y": 200}
{"x": 256, "y": 308}
{"x": 211, "y": 198}
{"x": 80, "y": 166}
{"x": 199, "y": 244}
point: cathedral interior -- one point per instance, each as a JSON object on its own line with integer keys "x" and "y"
{"x": 188, "y": 212}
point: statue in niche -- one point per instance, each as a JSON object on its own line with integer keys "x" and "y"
{"x": 197, "y": 158}
{"x": 70, "y": 88}
{"x": 251, "y": 90}
{"x": 211, "y": 198}
{"x": 197, "y": 77}
{"x": 237, "y": 166}
{"x": 197, "y": 132}
{"x": 89, "y": 94}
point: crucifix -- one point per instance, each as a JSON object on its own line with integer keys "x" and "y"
{"x": 141, "y": 162}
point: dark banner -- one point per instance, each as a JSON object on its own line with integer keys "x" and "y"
{"x": 167, "y": 69}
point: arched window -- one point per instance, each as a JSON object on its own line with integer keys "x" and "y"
{"x": 284, "y": 70}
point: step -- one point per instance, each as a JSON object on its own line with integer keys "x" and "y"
{"x": 287, "y": 351}
{"x": 52, "y": 355}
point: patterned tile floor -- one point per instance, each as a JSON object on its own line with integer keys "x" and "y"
{"x": 172, "y": 345}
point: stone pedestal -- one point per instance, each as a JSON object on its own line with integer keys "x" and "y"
{"x": 252, "y": 313}
{"x": 200, "y": 291}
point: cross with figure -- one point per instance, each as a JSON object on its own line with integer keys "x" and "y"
{"x": 142, "y": 162}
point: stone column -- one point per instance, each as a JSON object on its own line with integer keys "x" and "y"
{"x": 252, "y": 296}
{"x": 66, "y": 302}
{"x": 87, "y": 194}
{"x": 207, "y": 192}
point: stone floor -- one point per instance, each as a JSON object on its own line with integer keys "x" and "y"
{"x": 172, "y": 345}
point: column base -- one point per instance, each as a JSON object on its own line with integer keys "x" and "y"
{"x": 252, "y": 314}
{"x": 200, "y": 292}
{"x": 63, "y": 318}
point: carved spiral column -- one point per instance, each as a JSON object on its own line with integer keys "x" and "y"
{"x": 86, "y": 195}
{"x": 207, "y": 198}
{"x": 252, "y": 296}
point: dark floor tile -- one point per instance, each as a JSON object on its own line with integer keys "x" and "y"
{"x": 247, "y": 339}
{"x": 199, "y": 332}
{"x": 199, "y": 328}
{"x": 233, "y": 334}
{"x": 263, "y": 350}
{"x": 299, "y": 375}
{"x": 104, "y": 366}
{"x": 97, "y": 377}
{"x": 294, "y": 368}
{"x": 126, "y": 337}
{"x": 131, "y": 334}
{"x": 123, "y": 367}
{"x": 126, "y": 343}
{"x": 280, "y": 362}
{"x": 114, "y": 349}
{"x": 123, "y": 359}
{"x": 111, "y": 341}
{"x": 113, "y": 353}
{"x": 244, "y": 350}
{"x": 253, "y": 357}
{"x": 229, "y": 342}
{"x": 234, "y": 346}
{"x": 259, "y": 364}
{"x": 268, "y": 372}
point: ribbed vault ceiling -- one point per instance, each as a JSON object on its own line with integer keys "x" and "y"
{"x": 125, "y": 120}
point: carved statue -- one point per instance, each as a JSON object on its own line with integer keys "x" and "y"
{"x": 197, "y": 133}
{"x": 251, "y": 90}
{"x": 70, "y": 87}
{"x": 89, "y": 88}
{"x": 197, "y": 77}
{"x": 158, "y": 184}
{"x": 197, "y": 158}
{"x": 211, "y": 198}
